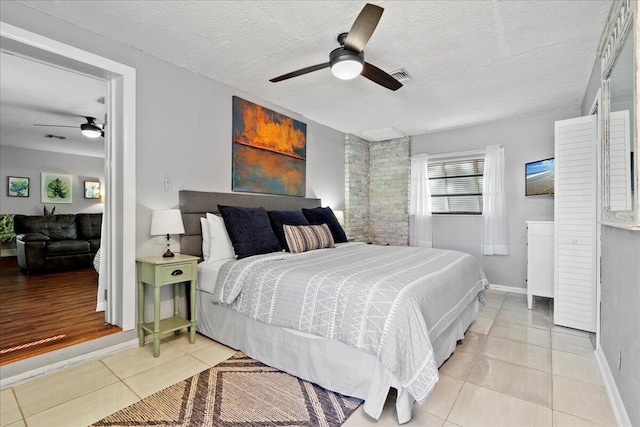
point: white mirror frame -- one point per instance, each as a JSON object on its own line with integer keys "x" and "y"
{"x": 621, "y": 24}
{"x": 120, "y": 170}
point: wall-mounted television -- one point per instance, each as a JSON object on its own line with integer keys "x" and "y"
{"x": 539, "y": 177}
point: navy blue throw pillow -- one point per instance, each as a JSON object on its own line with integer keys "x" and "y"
{"x": 280, "y": 218}
{"x": 249, "y": 230}
{"x": 318, "y": 216}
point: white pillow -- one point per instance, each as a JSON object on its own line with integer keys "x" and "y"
{"x": 206, "y": 240}
{"x": 220, "y": 244}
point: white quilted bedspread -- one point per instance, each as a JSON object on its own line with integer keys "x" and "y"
{"x": 387, "y": 301}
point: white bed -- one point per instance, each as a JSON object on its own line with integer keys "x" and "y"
{"x": 328, "y": 362}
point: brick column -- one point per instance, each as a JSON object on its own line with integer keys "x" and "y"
{"x": 377, "y": 190}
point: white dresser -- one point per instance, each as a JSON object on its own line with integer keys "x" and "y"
{"x": 539, "y": 259}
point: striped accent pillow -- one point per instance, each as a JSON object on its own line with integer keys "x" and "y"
{"x": 302, "y": 238}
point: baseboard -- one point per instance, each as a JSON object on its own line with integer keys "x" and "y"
{"x": 8, "y": 252}
{"x": 65, "y": 364}
{"x": 512, "y": 289}
{"x": 619, "y": 411}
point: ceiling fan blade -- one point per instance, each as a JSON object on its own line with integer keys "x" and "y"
{"x": 376, "y": 75}
{"x": 299, "y": 72}
{"x": 58, "y": 126}
{"x": 363, "y": 27}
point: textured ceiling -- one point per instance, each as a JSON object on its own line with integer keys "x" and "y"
{"x": 470, "y": 62}
{"x": 28, "y": 97}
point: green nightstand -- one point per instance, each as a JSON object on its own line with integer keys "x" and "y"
{"x": 159, "y": 272}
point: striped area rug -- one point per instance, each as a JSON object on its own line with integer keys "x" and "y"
{"x": 238, "y": 392}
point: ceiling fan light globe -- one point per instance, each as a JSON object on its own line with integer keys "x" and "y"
{"x": 90, "y": 131}
{"x": 346, "y": 64}
{"x": 347, "y": 70}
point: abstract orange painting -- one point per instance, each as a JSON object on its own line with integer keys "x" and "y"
{"x": 269, "y": 151}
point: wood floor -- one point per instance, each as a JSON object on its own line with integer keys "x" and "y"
{"x": 45, "y": 312}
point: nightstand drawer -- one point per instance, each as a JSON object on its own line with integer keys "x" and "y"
{"x": 180, "y": 272}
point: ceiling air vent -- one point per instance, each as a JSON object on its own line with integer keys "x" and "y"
{"x": 100, "y": 100}
{"x": 401, "y": 75}
{"x": 383, "y": 134}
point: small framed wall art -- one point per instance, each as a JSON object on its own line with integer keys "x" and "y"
{"x": 56, "y": 188}
{"x": 17, "y": 186}
{"x": 92, "y": 189}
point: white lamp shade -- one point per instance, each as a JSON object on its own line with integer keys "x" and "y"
{"x": 166, "y": 221}
{"x": 340, "y": 217}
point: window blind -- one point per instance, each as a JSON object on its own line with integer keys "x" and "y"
{"x": 456, "y": 186}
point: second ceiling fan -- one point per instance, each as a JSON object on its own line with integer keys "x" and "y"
{"x": 89, "y": 129}
{"x": 347, "y": 61}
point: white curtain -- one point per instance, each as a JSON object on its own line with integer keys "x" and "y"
{"x": 100, "y": 264}
{"x": 420, "y": 203}
{"x": 496, "y": 226}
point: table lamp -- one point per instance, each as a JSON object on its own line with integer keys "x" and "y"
{"x": 166, "y": 221}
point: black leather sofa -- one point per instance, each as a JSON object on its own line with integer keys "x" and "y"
{"x": 56, "y": 242}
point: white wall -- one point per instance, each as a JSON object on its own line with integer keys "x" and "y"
{"x": 183, "y": 131}
{"x": 184, "y": 134}
{"x": 620, "y": 313}
{"x": 524, "y": 140}
{"x": 28, "y": 163}
{"x": 619, "y": 296}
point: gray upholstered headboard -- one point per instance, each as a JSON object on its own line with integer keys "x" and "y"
{"x": 195, "y": 204}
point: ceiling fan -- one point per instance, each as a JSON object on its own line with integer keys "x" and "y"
{"x": 89, "y": 129}
{"x": 347, "y": 62}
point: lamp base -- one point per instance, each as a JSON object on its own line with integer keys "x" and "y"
{"x": 168, "y": 254}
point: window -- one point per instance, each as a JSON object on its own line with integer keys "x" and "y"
{"x": 456, "y": 186}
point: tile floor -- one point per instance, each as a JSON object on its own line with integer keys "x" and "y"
{"x": 514, "y": 368}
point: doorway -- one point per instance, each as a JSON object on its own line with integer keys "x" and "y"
{"x": 117, "y": 274}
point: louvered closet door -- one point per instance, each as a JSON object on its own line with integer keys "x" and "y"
{"x": 575, "y": 223}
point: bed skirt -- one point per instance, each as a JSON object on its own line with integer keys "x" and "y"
{"x": 328, "y": 363}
